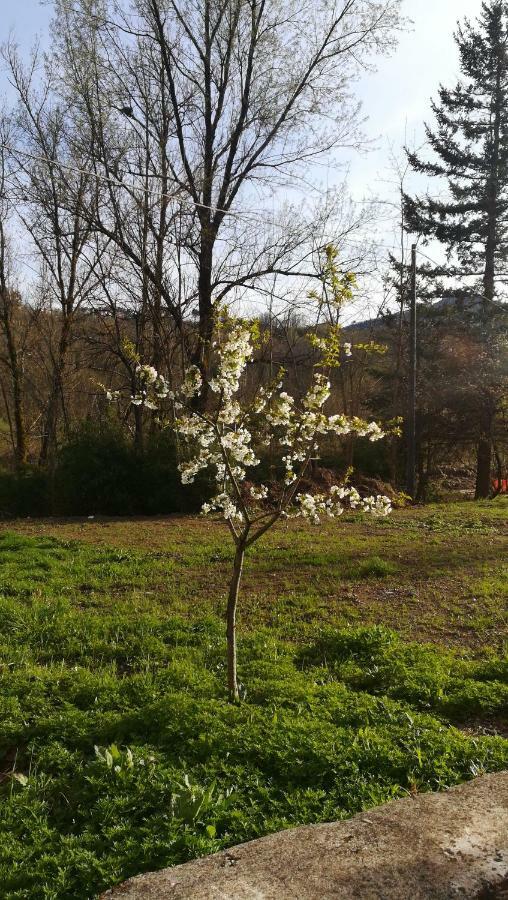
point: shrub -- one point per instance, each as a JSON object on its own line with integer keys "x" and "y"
{"x": 25, "y": 493}
{"x": 96, "y": 473}
{"x": 100, "y": 472}
{"x": 160, "y": 489}
{"x": 370, "y": 459}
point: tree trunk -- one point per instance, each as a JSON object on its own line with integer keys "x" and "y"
{"x": 483, "y": 468}
{"x": 17, "y": 393}
{"x": 139, "y": 430}
{"x": 8, "y": 304}
{"x": 201, "y": 356}
{"x": 393, "y": 455}
{"x": 350, "y": 451}
{"x": 21, "y": 445}
{"x": 234, "y": 589}
{"x": 424, "y": 467}
{"x": 49, "y": 440}
{"x": 499, "y": 466}
{"x": 484, "y": 448}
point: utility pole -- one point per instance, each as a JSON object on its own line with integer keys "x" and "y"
{"x": 411, "y": 417}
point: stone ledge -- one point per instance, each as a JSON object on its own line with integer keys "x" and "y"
{"x": 431, "y": 847}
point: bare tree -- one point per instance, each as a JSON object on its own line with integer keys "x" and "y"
{"x": 210, "y": 107}
{"x": 53, "y": 188}
{"x": 10, "y": 311}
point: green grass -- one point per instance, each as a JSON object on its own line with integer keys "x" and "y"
{"x": 118, "y": 750}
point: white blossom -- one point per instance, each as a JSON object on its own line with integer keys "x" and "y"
{"x": 339, "y": 424}
{"x": 221, "y": 439}
{"x": 312, "y": 506}
{"x": 374, "y": 432}
{"x": 233, "y": 356}
{"x": 318, "y": 393}
{"x": 259, "y": 492}
{"x": 379, "y": 506}
{"x": 281, "y": 410}
{"x": 192, "y": 383}
{"x": 147, "y": 374}
{"x": 223, "y": 503}
{"x": 238, "y": 445}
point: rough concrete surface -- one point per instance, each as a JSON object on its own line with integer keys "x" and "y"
{"x": 433, "y": 846}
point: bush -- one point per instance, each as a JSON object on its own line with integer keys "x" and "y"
{"x": 96, "y": 472}
{"x": 370, "y": 459}
{"x": 159, "y": 485}
{"x": 100, "y": 472}
{"x": 25, "y": 493}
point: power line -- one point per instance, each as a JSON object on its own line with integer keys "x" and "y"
{"x": 176, "y": 196}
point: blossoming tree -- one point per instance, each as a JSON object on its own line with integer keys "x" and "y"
{"x": 228, "y": 435}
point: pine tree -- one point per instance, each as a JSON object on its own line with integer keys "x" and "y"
{"x": 470, "y": 144}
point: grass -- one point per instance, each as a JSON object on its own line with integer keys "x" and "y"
{"x": 435, "y": 574}
{"x": 118, "y": 750}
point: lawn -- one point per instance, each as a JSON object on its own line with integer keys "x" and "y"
{"x": 373, "y": 657}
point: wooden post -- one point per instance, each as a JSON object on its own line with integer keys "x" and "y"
{"x": 411, "y": 418}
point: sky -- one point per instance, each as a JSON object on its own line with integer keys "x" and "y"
{"x": 396, "y": 97}
{"x": 397, "y": 93}
{"x": 27, "y": 18}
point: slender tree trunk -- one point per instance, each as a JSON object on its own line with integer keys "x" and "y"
{"x": 49, "y": 440}
{"x": 21, "y": 444}
{"x": 139, "y": 430}
{"x": 484, "y": 447}
{"x": 424, "y": 467}
{"x": 201, "y": 356}
{"x": 8, "y": 416}
{"x": 393, "y": 456}
{"x": 205, "y": 295}
{"x": 483, "y": 468}
{"x": 234, "y": 589}
{"x": 206, "y": 215}
{"x": 9, "y": 303}
{"x": 16, "y": 369}
{"x": 499, "y": 467}
{"x": 350, "y": 451}
{"x": 158, "y": 348}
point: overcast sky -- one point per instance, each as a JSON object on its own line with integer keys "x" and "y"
{"x": 395, "y": 98}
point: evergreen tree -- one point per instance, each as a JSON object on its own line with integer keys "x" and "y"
{"x": 470, "y": 144}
